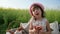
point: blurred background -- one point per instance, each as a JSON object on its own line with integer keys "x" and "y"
{"x": 13, "y": 12}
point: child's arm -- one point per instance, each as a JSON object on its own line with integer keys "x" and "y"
{"x": 30, "y": 24}
{"x": 30, "y": 27}
{"x": 31, "y": 30}
{"x": 48, "y": 28}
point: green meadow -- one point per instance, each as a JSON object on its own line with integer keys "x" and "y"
{"x": 11, "y": 18}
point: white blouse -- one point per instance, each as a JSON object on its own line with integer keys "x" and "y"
{"x": 39, "y": 23}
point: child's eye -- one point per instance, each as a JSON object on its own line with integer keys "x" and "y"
{"x": 33, "y": 10}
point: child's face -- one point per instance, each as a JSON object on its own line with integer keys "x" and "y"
{"x": 37, "y": 12}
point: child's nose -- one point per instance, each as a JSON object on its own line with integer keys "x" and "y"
{"x": 35, "y": 10}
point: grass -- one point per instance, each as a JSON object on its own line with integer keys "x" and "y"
{"x": 53, "y": 15}
{"x": 11, "y": 18}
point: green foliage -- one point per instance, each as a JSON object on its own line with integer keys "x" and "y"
{"x": 53, "y": 15}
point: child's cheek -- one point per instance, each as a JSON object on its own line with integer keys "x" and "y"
{"x": 33, "y": 13}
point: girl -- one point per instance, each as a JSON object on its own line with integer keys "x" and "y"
{"x": 38, "y": 23}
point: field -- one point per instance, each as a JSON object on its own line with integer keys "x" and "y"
{"x": 11, "y": 18}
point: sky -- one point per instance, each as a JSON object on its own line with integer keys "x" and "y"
{"x": 25, "y": 4}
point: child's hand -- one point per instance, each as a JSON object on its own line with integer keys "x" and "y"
{"x": 34, "y": 29}
{"x": 39, "y": 27}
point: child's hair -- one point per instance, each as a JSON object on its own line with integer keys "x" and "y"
{"x": 37, "y": 5}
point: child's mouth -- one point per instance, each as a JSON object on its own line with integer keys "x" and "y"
{"x": 37, "y": 14}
